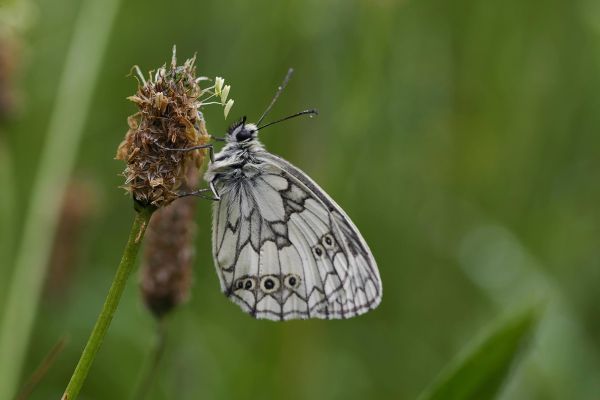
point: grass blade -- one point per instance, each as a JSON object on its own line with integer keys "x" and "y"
{"x": 74, "y": 96}
{"x": 7, "y": 211}
{"x": 485, "y": 365}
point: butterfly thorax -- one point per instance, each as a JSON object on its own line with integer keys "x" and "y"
{"x": 239, "y": 157}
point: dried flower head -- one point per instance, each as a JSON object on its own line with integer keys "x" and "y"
{"x": 166, "y": 273}
{"x": 16, "y": 19}
{"x": 168, "y": 118}
{"x": 10, "y": 53}
{"x": 79, "y": 206}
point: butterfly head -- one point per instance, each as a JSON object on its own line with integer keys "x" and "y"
{"x": 242, "y": 132}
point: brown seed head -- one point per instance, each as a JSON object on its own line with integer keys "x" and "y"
{"x": 168, "y": 118}
{"x": 79, "y": 205}
{"x": 9, "y": 61}
{"x": 166, "y": 273}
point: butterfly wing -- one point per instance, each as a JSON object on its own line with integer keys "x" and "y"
{"x": 285, "y": 250}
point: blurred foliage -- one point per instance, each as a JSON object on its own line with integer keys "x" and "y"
{"x": 483, "y": 368}
{"x": 461, "y": 137}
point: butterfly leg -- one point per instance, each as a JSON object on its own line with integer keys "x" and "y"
{"x": 214, "y": 191}
{"x": 211, "y": 151}
{"x": 200, "y": 193}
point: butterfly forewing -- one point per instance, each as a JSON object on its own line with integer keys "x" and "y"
{"x": 284, "y": 249}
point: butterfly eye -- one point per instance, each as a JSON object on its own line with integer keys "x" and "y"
{"x": 292, "y": 281}
{"x": 244, "y": 134}
{"x": 328, "y": 241}
{"x": 318, "y": 250}
{"x": 269, "y": 284}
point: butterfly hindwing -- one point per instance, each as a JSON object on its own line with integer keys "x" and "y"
{"x": 284, "y": 250}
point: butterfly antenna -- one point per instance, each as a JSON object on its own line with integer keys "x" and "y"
{"x": 310, "y": 112}
{"x": 279, "y": 90}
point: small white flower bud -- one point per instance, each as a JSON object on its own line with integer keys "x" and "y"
{"x": 219, "y": 85}
{"x": 228, "y": 107}
{"x": 225, "y": 93}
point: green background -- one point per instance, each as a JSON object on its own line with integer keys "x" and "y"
{"x": 462, "y": 137}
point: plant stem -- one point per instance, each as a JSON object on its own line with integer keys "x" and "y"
{"x": 41, "y": 370}
{"x": 7, "y": 211}
{"x": 110, "y": 304}
{"x": 149, "y": 374}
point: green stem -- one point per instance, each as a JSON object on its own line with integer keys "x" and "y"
{"x": 110, "y": 304}
{"x": 7, "y": 211}
{"x": 149, "y": 374}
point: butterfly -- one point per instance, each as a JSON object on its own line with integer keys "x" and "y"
{"x": 283, "y": 249}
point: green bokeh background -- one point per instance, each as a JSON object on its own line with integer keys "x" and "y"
{"x": 462, "y": 137}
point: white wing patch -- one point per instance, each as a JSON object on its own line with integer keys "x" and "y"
{"x": 284, "y": 250}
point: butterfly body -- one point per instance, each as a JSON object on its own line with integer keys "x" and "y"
{"x": 282, "y": 247}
